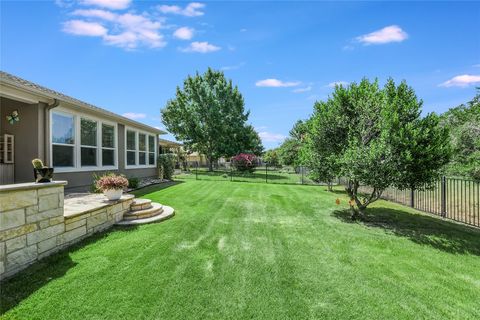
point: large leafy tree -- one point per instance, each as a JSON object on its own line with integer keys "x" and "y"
{"x": 464, "y": 125}
{"x": 375, "y": 136}
{"x": 209, "y": 116}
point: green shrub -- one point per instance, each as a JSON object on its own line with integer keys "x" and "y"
{"x": 133, "y": 182}
{"x": 166, "y": 165}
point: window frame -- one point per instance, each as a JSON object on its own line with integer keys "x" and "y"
{"x": 137, "y": 149}
{"x": 77, "y": 146}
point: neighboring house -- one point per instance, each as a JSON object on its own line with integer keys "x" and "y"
{"x": 76, "y": 138}
{"x": 167, "y": 146}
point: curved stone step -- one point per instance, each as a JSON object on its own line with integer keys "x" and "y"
{"x": 140, "y": 204}
{"x": 167, "y": 213}
{"x": 155, "y": 209}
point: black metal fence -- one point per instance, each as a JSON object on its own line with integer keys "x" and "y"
{"x": 450, "y": 198}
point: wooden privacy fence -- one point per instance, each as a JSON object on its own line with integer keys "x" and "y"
{"x": 450, "y": 198}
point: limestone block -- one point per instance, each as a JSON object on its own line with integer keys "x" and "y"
{"x": 44, "y": 224}
{"x": 61, "y": 199}
{"x": 75, "y": 224}
{"x": 31, "y": 210}
{"x": 72, "y": 235}
{"x": 42, "y": 215}
{"x": 15, "y": 232}
{"x": 2, "y": 250}
{"x": 47, "y": 202}
{"x": 16, "y": 243}
{"x": 17, "y": 199}
{"x": 44, "y": 234}
{"x": 45, "y": 191}
{"x": 11, "y": 219}
{"x": 21, "y": 257}
{"x": 46, "y": 245}
{"x": 2, "y": 267}
{"x": 56, "y": 220}
{"x": 97, "y": 219}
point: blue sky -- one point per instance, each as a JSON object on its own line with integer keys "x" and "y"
{"x": 128, "y": 56}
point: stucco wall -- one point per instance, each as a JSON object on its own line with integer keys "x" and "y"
{"x": 28, "y": 134}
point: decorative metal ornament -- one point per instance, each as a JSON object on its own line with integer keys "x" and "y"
{"x": 14, "y": 117}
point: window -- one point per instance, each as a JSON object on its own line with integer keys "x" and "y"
{"x": 88, "y": 136}
{"x": 80, "y": 143}
{"x": 151, "y": 150}
{"x": 141, "y": 148}
{"x": 108, "y": 145}
{"x": 131, "y": 148}
{"x": 63, "y": 140}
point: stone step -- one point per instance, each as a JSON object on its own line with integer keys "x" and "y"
{"x": 155, "y": 209}
{"x": 140, "y": 204}
{"x": 168, "y": 212}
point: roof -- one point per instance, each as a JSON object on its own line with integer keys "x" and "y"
{"x": 169, "y": 143}
{"x": 7, "y": 78}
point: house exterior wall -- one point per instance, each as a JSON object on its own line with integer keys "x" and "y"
{"x": 28, "y": 132}
{"x": 82, "y": 181}
{"x": 32, "y": 141}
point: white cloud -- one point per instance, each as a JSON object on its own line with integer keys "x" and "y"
{"x": 83, "y": 28}
{"x": 184, "y": 33}
{"x": 134, "y": 116}
{"x": 275, "y": 83}
{"x": 388, "y": 34}
{"x": 95, "y": 13}
{"x": 109, "y": 4}
{"x": 243, "y": 30}
{"x": 271, "y": 137}
{"x": 300, "y": 90}
{"x": 234, "y": 67}
{"x": 476, "y": 65}
{"x": 202, "y": 47}
{"x": 463, "y": 80}
{"x": 337, "y": 83}
{"x": 193, "y": 9}
{"x": 127, "y": 30}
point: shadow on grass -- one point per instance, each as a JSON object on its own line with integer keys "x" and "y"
{"x": 15, "y": 289}
{"x": 156, "y": 187}
{"x": 422, "y": 229}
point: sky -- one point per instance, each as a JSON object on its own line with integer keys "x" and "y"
{"x": 129, "y": 56}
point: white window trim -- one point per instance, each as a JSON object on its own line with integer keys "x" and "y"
{"x": 137, "y": 149}
{"x": 77, "y": 143}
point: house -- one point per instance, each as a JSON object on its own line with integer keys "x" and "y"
{"x": 76, "y": 138}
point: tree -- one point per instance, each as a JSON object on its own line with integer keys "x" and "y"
{"x": 376, "y": 137}
{"x": 464, "y": 125}
{"x": 289, "y": 151}
{"x": 271, "y": 157}
{"x": 208, "y": 115}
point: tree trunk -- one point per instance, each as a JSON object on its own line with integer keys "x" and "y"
{"x": 329, "y": 186}
{"x": 210, "y": 163}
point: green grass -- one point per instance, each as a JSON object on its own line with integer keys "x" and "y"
{"x": 259, "y": 251}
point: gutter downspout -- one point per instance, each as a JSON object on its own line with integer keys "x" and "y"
{"x": 46, "y": 130}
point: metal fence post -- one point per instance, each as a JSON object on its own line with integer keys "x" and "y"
{"x": 231, "y": 173}
{"x": 444, "y": 196}
{"x": 196, "y": 171}
{"x": 301, "y": 169}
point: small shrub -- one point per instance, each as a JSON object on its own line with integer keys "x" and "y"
{"x": 111, "y": 181}
{"x": 133, "y": 182}
{"x": 225, "y": 175}
{"x": 166, "y": 165}
{"x": 244, "y": 162}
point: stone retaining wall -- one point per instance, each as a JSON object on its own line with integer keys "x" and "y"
{"x": 33, "y": 225}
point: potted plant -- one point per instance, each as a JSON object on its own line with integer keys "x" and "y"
{"x": 112, "y": 185}
{"x": 41, "y": 173}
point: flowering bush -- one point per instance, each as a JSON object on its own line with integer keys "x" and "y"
{"x": 244, "y": 162}
{"x": 111, "y": 181}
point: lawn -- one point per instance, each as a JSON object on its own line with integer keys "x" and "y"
{"x": 259, "y": 251}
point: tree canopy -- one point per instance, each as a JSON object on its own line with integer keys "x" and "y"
{"x": 375, "y": 136}
{"x": 208, "y": 115}
{"x": 464, "y": 125}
